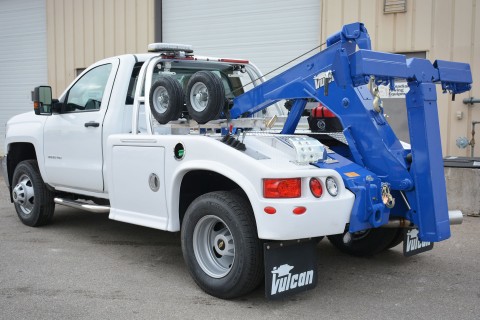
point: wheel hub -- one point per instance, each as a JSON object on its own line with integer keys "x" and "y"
{"x": 161, "y": 99}
{"x": 199, "y": 97}
{"x": 224, "y": 243}
{"x": 23, "y": 194}
{"x": 214, "y": 246}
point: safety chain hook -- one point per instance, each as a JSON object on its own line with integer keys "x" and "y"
{"x": 387, "y": 198}
{"x": 377, "y": 101}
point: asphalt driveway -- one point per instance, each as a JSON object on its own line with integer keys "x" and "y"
{"x": 85, "y": 266}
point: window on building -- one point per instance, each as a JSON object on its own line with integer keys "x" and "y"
{"x": 394, "y": 104}
{"x": 79, "y": 71}
{"x": 394, "y": 6}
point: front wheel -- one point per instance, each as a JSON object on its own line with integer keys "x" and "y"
{"x": 33, "y": 201}
{"x": 220, "y": 245}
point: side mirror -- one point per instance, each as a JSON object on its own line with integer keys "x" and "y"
{"x": 57, "y": 106}
{"x": 42, "y": 100}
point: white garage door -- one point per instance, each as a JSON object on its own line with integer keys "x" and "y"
{"x": 23, "y": 56}
{"x": 268, "y": 32}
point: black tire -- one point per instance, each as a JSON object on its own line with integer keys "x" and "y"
{"x": 318, "y": 239}
{"x": 399, "y": 235}
{"x": 364, "y": 243}
{"x": 166, "y": 99}
{"x": 229, "y": 217}
{"x": 33, "y": 201}
{"x": 205, "y": 96}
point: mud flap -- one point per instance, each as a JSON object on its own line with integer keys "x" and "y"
{"x": 290, "y": 267}
{"x": 412, "y": 244}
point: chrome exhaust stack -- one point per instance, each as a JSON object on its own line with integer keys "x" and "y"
{"x": 455, "y": 217}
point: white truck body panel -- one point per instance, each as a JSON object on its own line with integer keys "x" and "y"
{"x": 324, "y": 215}
{"x": 118, "y": 165}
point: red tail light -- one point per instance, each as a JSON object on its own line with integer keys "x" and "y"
{"x": 282, "y": 188}
{"x": 316, "y": 187}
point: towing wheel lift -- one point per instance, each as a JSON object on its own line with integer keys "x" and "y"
{"x": 376, "y": 167}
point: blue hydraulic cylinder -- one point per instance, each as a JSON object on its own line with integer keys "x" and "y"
{"x": 295, "y": 115}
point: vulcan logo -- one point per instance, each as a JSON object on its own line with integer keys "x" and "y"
{"x": 284, "y": 280}
{"x": 413, "y": 242}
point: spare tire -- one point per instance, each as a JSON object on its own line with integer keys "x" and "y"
{"x": 166, "y": 99}
{"x": 205, "y": 96}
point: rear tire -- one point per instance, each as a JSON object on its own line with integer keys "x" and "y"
{"x": 397, "y": 239}
{"x": 205, "y": 96}
{"x": 364, "y": 243}
{"x": 33, "y": 201}
{"x": 220, "y": 245}
{"x": 166, "y": 99}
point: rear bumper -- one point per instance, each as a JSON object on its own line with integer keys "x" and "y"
{"x": 324, "y": 216}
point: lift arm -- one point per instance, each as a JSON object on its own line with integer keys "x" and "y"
{"x": 338, "y": 77}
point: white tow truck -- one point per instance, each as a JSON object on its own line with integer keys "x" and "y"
{"x": 149, "y": 138}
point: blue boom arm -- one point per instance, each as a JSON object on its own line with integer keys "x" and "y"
{"x": 338, "y": 77}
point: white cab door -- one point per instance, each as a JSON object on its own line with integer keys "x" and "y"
{"x": 73, "y": 141}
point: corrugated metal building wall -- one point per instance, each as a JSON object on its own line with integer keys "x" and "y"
{"x": 82, "y": 32}
{"x": 265, "y": 32}
{"x": 445, "y": 29}
{"x": 23, "y": 57}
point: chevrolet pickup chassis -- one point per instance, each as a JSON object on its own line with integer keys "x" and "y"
{"x": 178, "y": 142}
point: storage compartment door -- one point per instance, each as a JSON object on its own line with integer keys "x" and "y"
{"x": 137, "y": 189}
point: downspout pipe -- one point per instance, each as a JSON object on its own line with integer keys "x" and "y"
{"x": 471, "y": 101}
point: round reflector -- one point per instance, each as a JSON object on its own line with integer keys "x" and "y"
{"x": 332, "y": 186}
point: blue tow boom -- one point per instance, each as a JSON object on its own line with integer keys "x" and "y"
{"x": 338, "y": 77}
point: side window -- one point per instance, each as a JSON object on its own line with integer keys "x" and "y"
{"x": 133, "y": 83}
{"x": 86, "y": 94}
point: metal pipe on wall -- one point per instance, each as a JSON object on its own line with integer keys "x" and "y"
{"x": 471, "y": 100}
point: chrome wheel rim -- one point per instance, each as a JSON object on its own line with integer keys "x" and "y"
{"x": 199, "y": 96}
{"x": 160, "y": 99}
{"x": 213, "y": 246}
{"x": 23, "y": 194}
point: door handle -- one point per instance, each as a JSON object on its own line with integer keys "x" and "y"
{"x": 92, "y": 124}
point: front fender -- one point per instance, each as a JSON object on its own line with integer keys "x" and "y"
{"x": 28, "y": 128}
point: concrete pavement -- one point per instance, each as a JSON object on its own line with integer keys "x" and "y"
{"x": 85, "y": 266}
